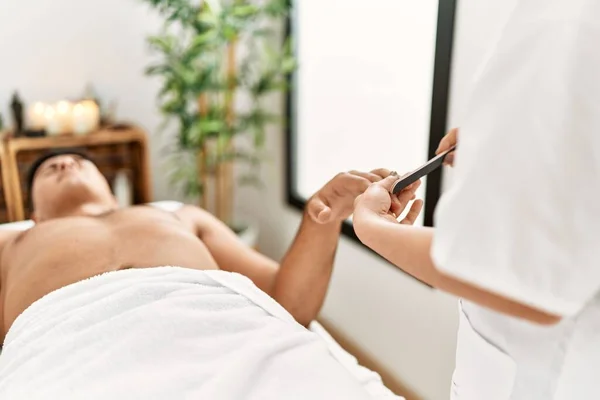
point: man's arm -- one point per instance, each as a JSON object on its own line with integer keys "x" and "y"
{"x": 299, "y": 284}
{"x": 409, "y": 248}
{"x": 230, "y": 253}
{"x": 303, "y": 279}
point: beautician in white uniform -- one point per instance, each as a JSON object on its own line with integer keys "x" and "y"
{"x": 517, "y": 235}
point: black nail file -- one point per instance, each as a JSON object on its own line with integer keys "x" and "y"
{"x": 420, "y": 172}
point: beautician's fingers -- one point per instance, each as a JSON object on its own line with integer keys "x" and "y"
{"x": 376, "y": 198}
{"x": 448, "y": 141}
{"x": 388, "y": 182}
{"x": 449, "y": 159}
{"x": 401, "y": 200}
{"x": 367, "y": 175}
{"x": 319, "y": 211}
{"x": 413, "y": 213}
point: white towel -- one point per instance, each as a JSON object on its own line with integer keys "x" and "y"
{"x": 169, "y": 333}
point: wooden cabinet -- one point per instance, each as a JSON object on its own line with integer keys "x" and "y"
{"x": 113, "y": 150}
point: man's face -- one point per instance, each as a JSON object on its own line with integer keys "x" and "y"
{"x": 67, "y": 180}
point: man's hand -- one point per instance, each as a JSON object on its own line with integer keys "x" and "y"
{"x": 451, "y": 139}
{"x": 334, "y": 202}
{"x": 377, "y": 201}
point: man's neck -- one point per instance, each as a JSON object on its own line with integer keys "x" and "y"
{"x": 86, "y": 210}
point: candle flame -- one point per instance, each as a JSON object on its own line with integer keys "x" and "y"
{"x": 39, "y": 108}
{"x": 62, "y": 107}
{"x": 78, "y": 109}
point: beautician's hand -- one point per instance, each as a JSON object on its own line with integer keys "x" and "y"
{"x": 377, "y": 201}
{"x": 334, "y": 202}
{"x": 448, "y": 141}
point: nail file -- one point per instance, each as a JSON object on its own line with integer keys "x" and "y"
{"x": 420, "y": 172}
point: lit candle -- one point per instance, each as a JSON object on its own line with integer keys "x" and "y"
{"x": 86, "y": 117}
{"x": 93, "y": 112}
{"x": 59, "y": 118}
{"x": 52, "y": 124}
{"x": 36, "y": 117}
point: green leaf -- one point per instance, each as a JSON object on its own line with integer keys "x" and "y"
{"x": 263, "y": 83}
{"x": 214, "y": 6}
{"x": 193, "y": 188}
{"x": 207, "y": 17}
{"x": 288, "y": 65}
{"x": 195, "y": 135}
{"x": 157, "y": 69}
{"x": 278, "y": 8}
{"x": 204, "y": 39}
{"x": 230, "y": 32}
{"x": 174, "y": 106}
{"x": 211, "y": 126}
{"x": 163, "y": 43}
{"x": 245, "y": 10}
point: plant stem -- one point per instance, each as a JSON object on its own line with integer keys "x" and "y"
{"x": 225, "y": 169}
{"x": 202, "y": 155}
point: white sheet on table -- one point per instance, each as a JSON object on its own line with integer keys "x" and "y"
{"x": 172, "y": 333}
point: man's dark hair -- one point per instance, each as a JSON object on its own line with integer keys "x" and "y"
{"x": 38, "y": 163}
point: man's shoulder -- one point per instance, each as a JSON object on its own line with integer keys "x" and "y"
{"x": 7, "y": 235}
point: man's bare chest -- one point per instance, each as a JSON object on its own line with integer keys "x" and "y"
{"x": 120, "y": 232}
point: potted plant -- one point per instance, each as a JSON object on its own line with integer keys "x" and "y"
{"x": 217, "y": 62}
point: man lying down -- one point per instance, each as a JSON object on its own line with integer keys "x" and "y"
{"x": 138, "y": 303}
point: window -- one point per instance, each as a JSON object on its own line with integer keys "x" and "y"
{"x": 370, "y": 91}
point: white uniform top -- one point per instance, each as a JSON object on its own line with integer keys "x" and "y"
{"x": 522, "y": 218}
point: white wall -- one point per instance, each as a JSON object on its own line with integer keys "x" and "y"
{"x": 409, "y": 328}
{"x": 51, "y": 49}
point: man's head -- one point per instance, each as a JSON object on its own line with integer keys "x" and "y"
{"x": 61, "y": 183}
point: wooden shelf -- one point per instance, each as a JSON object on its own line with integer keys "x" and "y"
{"x": 100, "y": 137}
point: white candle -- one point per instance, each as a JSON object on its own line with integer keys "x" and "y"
{"x": 80, "y": 120}
{"x": 59, "y": 118}
{"x": 93, "y": 113}
{"x": 52, "y": 125}
{"x": 86, "y": 117}
{"x": 36, "y": 118}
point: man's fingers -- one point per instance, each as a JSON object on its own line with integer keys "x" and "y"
{"x": 448, "y": 141}
{"x": 324, "y": 216}
{"x": 319, "y": 211}
{"x": 382, "y": 172}
{"x": 367, "y": 175}
{"x": 413, "y": 213}
{"x": 355, "y": 183}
